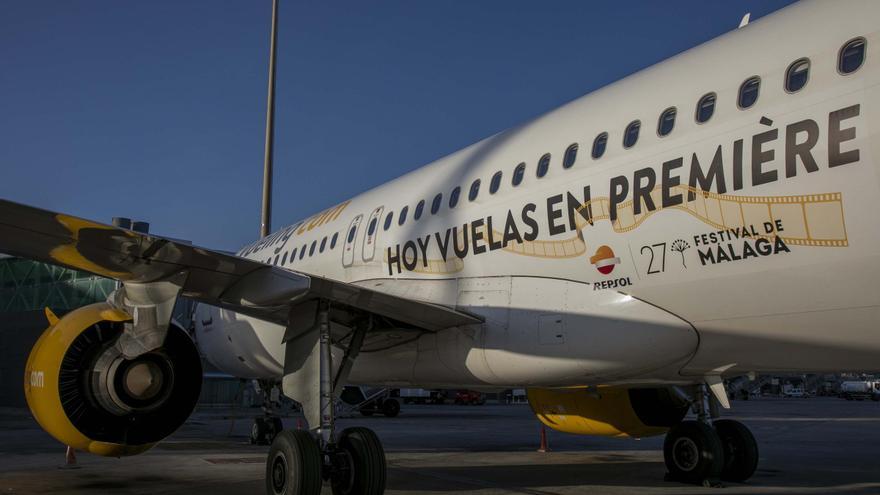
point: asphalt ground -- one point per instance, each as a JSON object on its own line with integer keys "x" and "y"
{"x": 815, "y": 445}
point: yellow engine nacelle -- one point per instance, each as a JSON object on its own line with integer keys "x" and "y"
{"x": 87, "y": 395}
{"x": 608, "y": 411}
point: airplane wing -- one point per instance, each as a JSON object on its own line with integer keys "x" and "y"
{"x": 242, "y": 285}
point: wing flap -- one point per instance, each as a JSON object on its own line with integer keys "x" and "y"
{"x": 231, "y": 282}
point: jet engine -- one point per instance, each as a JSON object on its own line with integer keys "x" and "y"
{"x": 86, "y": 394}
{"x": 609, "y": 411}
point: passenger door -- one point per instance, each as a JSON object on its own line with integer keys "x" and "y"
{"x": 371, "y": 235}
{"x": 351, "y": 241}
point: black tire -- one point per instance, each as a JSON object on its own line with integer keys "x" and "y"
{"x": 692, "y": 452}
{"x": 391, "y": 408}
{"x": 258, "y": 431}
{"x": 294, "y": 465}
{"x": 367, "y": 463}
{"x": 740, "y": 450}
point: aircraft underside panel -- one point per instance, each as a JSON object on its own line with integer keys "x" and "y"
{"x": 540, "y": 332}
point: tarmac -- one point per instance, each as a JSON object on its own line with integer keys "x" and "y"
{"x": 807, "y": 446}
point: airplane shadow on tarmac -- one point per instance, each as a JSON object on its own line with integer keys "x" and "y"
{"x": 607, "y": 474}
{"x": 513, "y": 477}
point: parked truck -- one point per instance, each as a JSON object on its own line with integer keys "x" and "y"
{"x": 860, "y": 390}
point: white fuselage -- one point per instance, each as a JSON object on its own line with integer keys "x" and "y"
{"x": 615, "y": 270}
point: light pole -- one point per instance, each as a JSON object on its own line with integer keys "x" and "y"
{"x": 269, "y": 151}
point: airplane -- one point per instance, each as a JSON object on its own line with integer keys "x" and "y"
{"x": 620, "y": 257}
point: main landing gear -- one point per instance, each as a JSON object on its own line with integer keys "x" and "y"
{"x": 354, "y": 465}
{"x": 300, "y": 461}
{"x": 702, "y": 452}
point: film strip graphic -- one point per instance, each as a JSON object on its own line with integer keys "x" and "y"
{"x": 807, "y": 220}
{"x": 439, "y": 267}
{"x": 563, "y": 248}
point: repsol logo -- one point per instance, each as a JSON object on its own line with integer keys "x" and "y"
{"x": 36, "y": 379}
{"x": 612, "y": 284}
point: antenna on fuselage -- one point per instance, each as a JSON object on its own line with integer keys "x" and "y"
{"x": 269, "y": 151}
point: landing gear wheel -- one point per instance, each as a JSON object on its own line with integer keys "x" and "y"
{"x": 390, "y": 408}
{"x": 258, "y": 432}
{"x": 294, "y": 465}
{"x": 366, "y": 464}
{"x": 740, "y": 450}
{"x": 693, "y": 453}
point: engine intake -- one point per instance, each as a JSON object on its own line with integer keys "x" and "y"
{"x": 608, "y": 411}
{"x": 86, "y": 394}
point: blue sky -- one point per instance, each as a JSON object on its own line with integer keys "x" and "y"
{"x": 156, "y": 110}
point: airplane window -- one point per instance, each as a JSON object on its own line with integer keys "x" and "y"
{"x": 292, "y": 255}
{"x": 323, "y": 244}
{"x": 797, "y": 75}
{"x": 333, "y": 240}
{"x": 496, "y": 183}
{"x": 543, "y": 166}
{"x": 312, "y": 249}
{"x": 631, "y": 135}
{"x": 666, "y": 122}
{"x": 475, "y": 190}
{"x": 302, "y": 251}
{"x": 851, "y": 56}
{"x": 518, "y": 173}
{"x": 435, "y": 205}
{"x": 570, "y": 156}
{"x": 402, "y": 217}
{"x": 453, "y": 197}
{"x": 351, "y": 233}
{"x": 599, "y": 145}
{"x": 276, "y": 259}
{"x": 419, "y": 208}
{"x": 705, "y": 108}
{"x": 388, "y": 219}
{"x": 748, "y": 92}
{"x": 284, "y": 258}
{"x": 372, "y": 228}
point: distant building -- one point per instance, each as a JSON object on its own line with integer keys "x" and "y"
{"x": 28, "y": 287}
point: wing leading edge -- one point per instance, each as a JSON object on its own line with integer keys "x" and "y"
{"x": 212, "y": 277}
